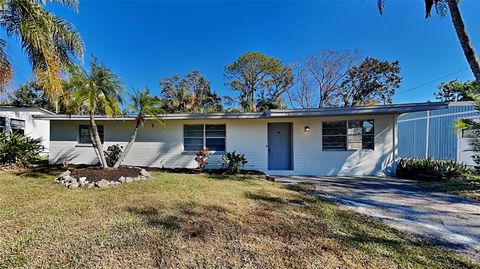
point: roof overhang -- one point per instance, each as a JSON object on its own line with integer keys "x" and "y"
{"x": 13, "y": 107}
{"x": 358, "y": 110}
{"x": 276, "y": 113}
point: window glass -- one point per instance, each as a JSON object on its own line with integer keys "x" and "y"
{"x": 334, "y": 135}
{"x": 360, "y": 134}
{"x": 193, "y": 130}
{"x": 215, "y": 130}
{"x": 215, "y": 144}
{"x": 84, "y": 134}
{"x": 3, "y": 122}
{"x": 468, "y": 133}
{"x": 17, "y": 126}
{"x": 193, "y": 144}
{"x": 199, "y": 136}
{"x": 351, "y": 135}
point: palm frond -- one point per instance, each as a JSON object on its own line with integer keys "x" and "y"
{"x": 49, "y": 42}
{"x": 5, "y": 66}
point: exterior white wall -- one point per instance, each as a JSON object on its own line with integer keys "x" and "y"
{"x": 159, "y": 146}
{"x": 33, "y": 128}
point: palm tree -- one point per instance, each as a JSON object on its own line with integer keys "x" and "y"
{"x": 460, "y": 29}
{"x": 145, "y": 105}
{"x": 50, "y": 42}
{"x": 99, "y": 91}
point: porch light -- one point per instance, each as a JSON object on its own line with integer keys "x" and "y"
{"x": 307, "y": 129}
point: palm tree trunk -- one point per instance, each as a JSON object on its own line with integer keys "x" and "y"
{"x": 464, "y": 39}
{"x": 129, "y": 145}
{"x": 97, "y": 143}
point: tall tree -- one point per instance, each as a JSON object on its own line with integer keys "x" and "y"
{"x": 254, "y": 73}
{"x": 50, "y": 42}
{"x": 271, "y": 97}
{"x": 145, "y": 105}
{"x": 319, "y": 76}
{"x": 455, "y": 90}
{"x": 31, "y": 94}
{"x": 191, "y": 94}
{"x": 458, "y": 24}
{"x": 372, "y": 80}
{"x": 92, "y": 92}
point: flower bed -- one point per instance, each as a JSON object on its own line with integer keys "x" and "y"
{"x": 100, "y": 178}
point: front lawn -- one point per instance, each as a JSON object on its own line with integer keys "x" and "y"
{"x": 180, "y": 220}
{"x": 469, "y": 188}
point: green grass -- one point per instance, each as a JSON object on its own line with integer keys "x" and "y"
{"x": 469, "y": 187}
{"x": 194, "y": 221}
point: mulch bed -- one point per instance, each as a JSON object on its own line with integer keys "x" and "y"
{"x": 198, "y": 171}
{"x": 94, "y": 174}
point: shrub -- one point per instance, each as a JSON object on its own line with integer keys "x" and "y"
{"x": 430, "y": 169}
{"x": 201, "y": 157}
{"x": 18, "y": 149}
{"x": 233, "y": 162}
{"x": 112, "y": 154}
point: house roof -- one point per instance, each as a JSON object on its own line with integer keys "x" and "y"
{"x": 26, "y": 106}
{"x": 278, "y": 113}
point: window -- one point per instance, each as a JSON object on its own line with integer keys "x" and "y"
{"x": 348, "y": 135}
{"x": 468, "y": 133}
{"x": 334, "y": 135}
{"x": 3, "y": 123}
{"x": 360, "y": 134}
{"x": 17, "y": 126}
{"x": 84, "y": 134}
{"x": 199, "y": 136}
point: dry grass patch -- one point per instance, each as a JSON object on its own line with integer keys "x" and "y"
{"x": 194, "y": 221}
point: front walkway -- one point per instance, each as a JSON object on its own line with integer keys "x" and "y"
{"x": 449, "y": 220}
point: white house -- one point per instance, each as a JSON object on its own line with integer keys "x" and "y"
{"x": 20, "y": 119}
{"x": 331, "y": 141}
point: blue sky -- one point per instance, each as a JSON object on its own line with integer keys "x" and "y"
{"x": 144, "y": 41}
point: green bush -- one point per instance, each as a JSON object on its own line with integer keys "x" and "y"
{"x": 430, "y": 169}
{"x": 18, "y": 149}
{"x": 233, "y": 162}
{"x": 112, "y": 154}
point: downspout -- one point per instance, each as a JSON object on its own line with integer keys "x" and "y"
{"x": 427, "y": 135}
{"x": 394, "y": 145}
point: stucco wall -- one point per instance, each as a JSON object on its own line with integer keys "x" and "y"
{"x": 33, "y": 128}
{"x": 163, "y": 146}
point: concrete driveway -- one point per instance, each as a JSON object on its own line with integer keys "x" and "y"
{"x": 448, "y": 220}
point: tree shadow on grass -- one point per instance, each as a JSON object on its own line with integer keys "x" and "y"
{"x": 153, "y": 217}
{"x": 41, "y": 171}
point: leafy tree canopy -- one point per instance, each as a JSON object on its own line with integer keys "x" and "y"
{"x": 191, "y": 94}
{"x": 373, "y": 81}
{"x": 455, "y": 90}
{"x": 260, "y": 79}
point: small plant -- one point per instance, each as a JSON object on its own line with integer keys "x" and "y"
{"x": 201, "y": 157}
{"x": 112, "y": 154}
{"x": 430, "y": 169}
{"x": 233, "y": 162}
{"x": 19, "y": 150}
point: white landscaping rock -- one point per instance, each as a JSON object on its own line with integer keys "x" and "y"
{"x": 121, "y": 179}
{"x": 82, "y": 180}
{"x": 129, "y": 179}
{"x": 73, "y": 185}
{"x": 144, "y": 173}
{"x": 102, "y": 183}
{"x": 64, "y": 174}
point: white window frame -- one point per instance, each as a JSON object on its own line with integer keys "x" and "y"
{"x": 18, "y": 120}
{"x": 204, "y": 137}
{"x": 79, "y": 140}
{"x": 348, "y": 137}
{"x": 4, "y": 127}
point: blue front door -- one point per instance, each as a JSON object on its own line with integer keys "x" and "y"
{"x": 280, "y": 146}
